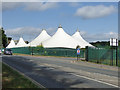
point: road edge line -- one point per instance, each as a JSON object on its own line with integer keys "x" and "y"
{"x": 32, "y": 80}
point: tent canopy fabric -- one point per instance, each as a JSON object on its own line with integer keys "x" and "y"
{"x": 11, "y": 44}
{"x": 79, "y": 38}
{"x": 21, "y": 43}
{"x": 38, "y": 40}
{"x": 60, "y": 39}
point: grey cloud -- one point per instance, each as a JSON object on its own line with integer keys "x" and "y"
{"x": 27, "y": 32}
{"x": 99, "y": 36}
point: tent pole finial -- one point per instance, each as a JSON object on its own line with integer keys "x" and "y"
{"x": 77, "y": 30}
{"x": 60, "y": 26}
{"x": 43, "y": 29}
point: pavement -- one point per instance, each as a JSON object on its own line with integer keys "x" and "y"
{"x": 54, "y": 72}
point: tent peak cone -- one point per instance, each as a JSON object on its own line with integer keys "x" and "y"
{"x": 43, "y": 29}
{"x": 60, "y": 26}
{"x": 11, "y": 44}
{"x": 21, "y": 43}
{"x": 78, "y": 30}
{"x": 40, "y": 38}
{"x": 60, "y": 40}
{"x": 77, "y": 36}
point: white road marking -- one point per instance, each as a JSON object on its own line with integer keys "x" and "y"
{"x": 30, "y": 60}
{"x": 95, "y": 80}
{"x": 49, "y": 68}
{"x": 59, "y": 66}
{"x": 45, "y": 64}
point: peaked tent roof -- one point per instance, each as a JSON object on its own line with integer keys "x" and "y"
{"x": 11, "y": 44}
{"x": 60, "y": 39}
{"x": 79, "y": 38}
{"x": 42, "y": 37}
{"x": 21, "y": 43}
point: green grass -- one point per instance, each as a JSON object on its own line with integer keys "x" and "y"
{"x": 12, "y": 79}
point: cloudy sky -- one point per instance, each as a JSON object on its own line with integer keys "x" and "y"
{"x": 96, "y": 20}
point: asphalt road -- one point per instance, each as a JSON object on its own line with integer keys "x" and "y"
{"x": 53, "y": 72}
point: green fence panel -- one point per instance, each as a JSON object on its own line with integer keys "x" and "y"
{"x": 118, "y": 56}
{"x": 22, "y": 50}
{"x": 102, "y": 55}
{"x": 96, "y": 55}
{"x": 49, "y": 51}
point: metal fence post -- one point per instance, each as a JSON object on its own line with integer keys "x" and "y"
{"x": 112, "y": 57}
{"x": 116, "y": 57}
{"x": 86, "y": 55}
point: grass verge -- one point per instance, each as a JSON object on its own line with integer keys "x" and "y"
{"x": 12, "y": 79}
{"x": 44, "y": 56}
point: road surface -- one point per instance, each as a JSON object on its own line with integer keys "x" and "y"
{"x": 54, "y": 72}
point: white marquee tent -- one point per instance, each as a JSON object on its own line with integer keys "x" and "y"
{"x": 21, "y": 43}
{"x": 79, "y": 38}
{"x": 38, "y": 40}
{"x": 60, "y": 39}
{"x": 11, "y": 44}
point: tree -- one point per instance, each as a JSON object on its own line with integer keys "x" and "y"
{"x": 4, "y": 38}
{"x": 0, "y": 38}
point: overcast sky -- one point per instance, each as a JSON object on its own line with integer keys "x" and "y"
{"x": 95, "y": 20}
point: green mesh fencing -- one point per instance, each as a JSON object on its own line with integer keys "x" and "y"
{"x": 96, "y": 55}
{"x": 102, "y": 55}
{"x": 118, "y": 56}
{"x": 22, "y": 50}
{"x": 49, "y": 51}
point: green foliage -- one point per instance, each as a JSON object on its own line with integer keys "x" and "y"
{"x": 0, "y": 38}
{"x": 77, "y": 46}
{"x": 40, "y": 46}
{"x": 101, "y": 44}
{"x": 119, "y": 43}
{"x": 4, "y": 38}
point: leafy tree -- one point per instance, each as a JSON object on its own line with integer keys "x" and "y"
{"x": 4, "y": 38}
{"x": 0, "y": 38}
{"x": 40, "y": 46}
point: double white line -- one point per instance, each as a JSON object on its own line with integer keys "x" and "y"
{"x": 95, "y": 80}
